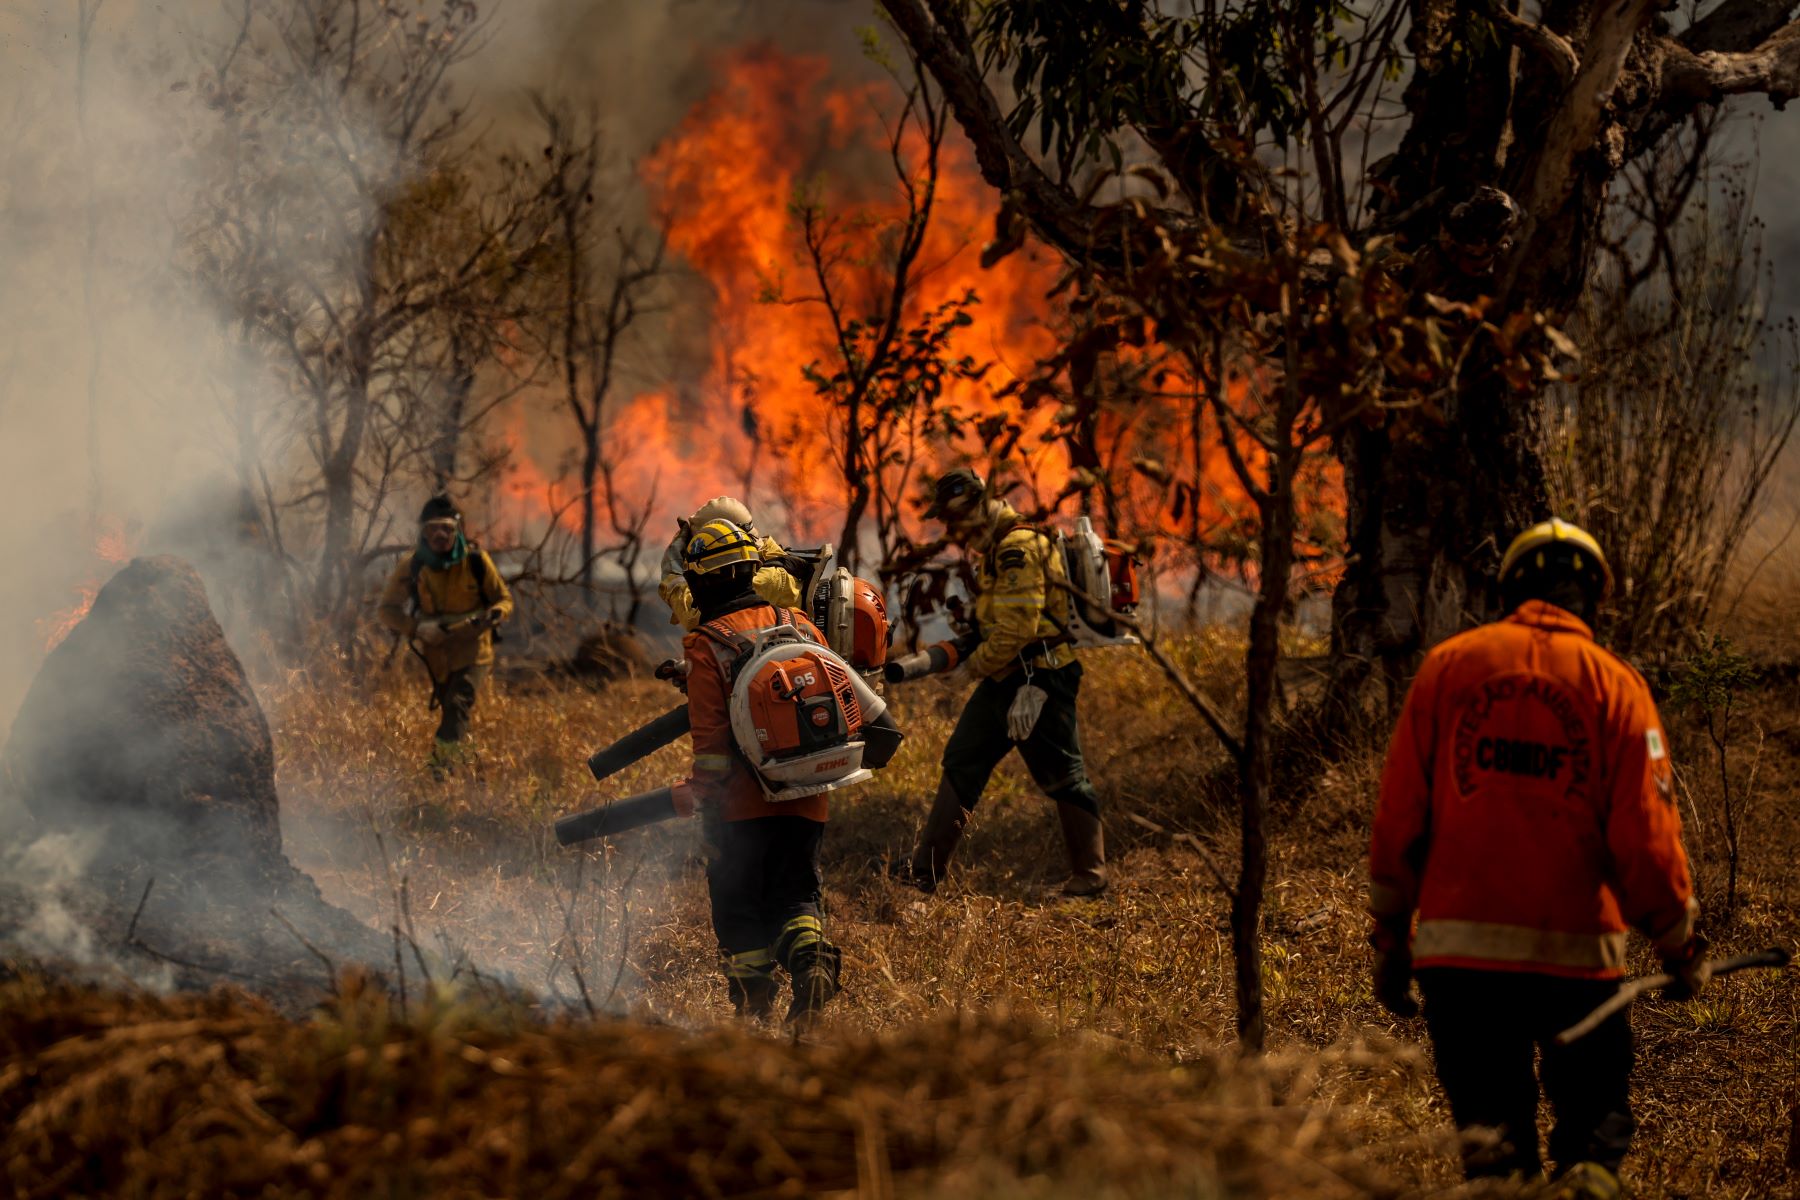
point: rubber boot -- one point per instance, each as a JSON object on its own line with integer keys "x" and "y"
{"x": 753, "y": 996}
{"x": 445, "y": 758}
{"x": 1086, "y": 844}
{"x": 937, "y": 841}
{"x": 750, "y": 982}
{"x": 815, "y": 973}
{"x": 1586, "y": 1181}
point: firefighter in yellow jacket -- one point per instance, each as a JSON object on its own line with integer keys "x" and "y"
{"x": 1026, "y": 697}
{"x": 781, "y": 579}
{"x": 446, "y": 599}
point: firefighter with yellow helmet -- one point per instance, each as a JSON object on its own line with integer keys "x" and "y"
{"x": 1026, "y": 697}
{"x": 1527, "y": 823}
{"x": 763, "y": 871}
{"x": 780, "y": 578}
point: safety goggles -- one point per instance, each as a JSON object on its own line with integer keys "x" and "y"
{"x": 955, "y": 495}
{"x": 444, "y": 525}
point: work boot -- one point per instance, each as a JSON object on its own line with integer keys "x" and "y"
{"x": 814, "y": 971}
{"x": 1585, "y": 1181}
{"x": 753, "y": 996}
{"x": 1086, "y": 844}
{"x": 445, "y": 758}
{"x": 944, "y": 827}
{"x": 750, "y": 982}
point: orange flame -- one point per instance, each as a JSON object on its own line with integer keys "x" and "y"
{"x": 54, "y": 628}
{"x": 729, "y": 178}
{"x": 112, "y": 545}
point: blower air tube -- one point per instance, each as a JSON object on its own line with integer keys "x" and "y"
{"x": 618, "y": 816}
{"x": 929, "y": 661}
{"x": 640, "y": 743}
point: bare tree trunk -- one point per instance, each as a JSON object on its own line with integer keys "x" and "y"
{"x": 1084, "y": 442}
{"x": 590, "y": 482}
{"x": 856, "y": 483}
{"x": 1275, "y": 534}
{"x": 1255, "y": 775}
{"x": 1425, "y": 519}
{"x": 339, "y": 478}
{"x": 454, "y": 414}
{"x": 87, "y": 12}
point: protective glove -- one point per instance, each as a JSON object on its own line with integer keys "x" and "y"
{"x": 1027, "y": 706}
{"x": 1689, "y": 967}
{"x": 430, "y": 633}
{"x": 674, "y": 671}
{"x": 1393, "y": 981}
{"x": 495, "y": 614}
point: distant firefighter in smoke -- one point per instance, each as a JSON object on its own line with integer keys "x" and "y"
{"x": 781, "y": 578}
{"x": 446, "y": 599}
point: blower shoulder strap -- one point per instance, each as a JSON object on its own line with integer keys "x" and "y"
{"x": 740, "y": 645}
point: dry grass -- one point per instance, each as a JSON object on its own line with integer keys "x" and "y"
{"x": 1138, "y": 981}
{"x": 219, "y": 1096}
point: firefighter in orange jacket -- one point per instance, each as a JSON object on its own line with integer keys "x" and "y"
{"x": 763, "y": 872}
{"x": 1528, "y": 819}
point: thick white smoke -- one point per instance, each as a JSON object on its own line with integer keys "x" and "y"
{"x": 126, "y": 385}
{"x": 123, "y": 387}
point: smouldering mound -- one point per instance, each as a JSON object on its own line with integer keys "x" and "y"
{"x": 143, "y": 829}
{"x": 215, "y": 1096}
{"x": 143, "y": 716}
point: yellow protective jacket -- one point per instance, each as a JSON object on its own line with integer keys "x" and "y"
{"x": 446, "y": 592}
{"x": 774, "y": 584}
{"x": 1017, "y": 600}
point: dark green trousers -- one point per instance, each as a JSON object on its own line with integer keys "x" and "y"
{"x": 1052, "y": 753}
{"x": 456, "y": 701}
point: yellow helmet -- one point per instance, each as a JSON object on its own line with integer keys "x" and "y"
{"x": 715, "y": 545}
{"x": 1535, "y": 547}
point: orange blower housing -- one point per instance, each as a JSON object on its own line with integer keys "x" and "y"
{"x": 801, "y": 705}
{"x": 852, "y": 615}
{"x": 869, "y": 627}
{"x": 1122, "y": 571}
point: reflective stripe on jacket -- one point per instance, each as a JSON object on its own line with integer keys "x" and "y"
{"x": 1527, "y": 807}
{"x": 1017, "y": 600}
{"x": 774, "y": 584}
{"x": 721, "y": 778}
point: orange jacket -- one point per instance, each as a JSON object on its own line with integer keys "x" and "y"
{"x": 721, "y": 778}
{"x": 1527, "y": 807}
